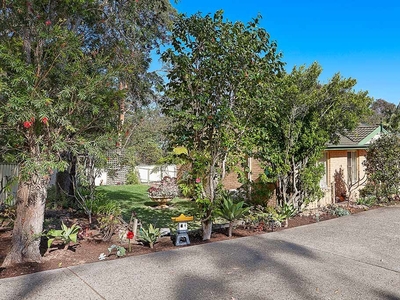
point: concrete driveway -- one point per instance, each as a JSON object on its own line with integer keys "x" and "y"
{"x": 352, "y": 257}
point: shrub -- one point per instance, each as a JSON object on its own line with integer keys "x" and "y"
{"x": 261, "y": 192}
{"x": 263, "y": 217}
{"x": 57, "y": 199}
{"x": 167, "y": 188}
{"x": 367, "y": 201}
{"x": 339, "y": 211}
{"x": 104, "y": 206}
{"x": 108, "y": 213}
{"x": 340, "y": 185}
{"x": 368, "y": 190}
{"x": 132, "y": 177}
{"x": 381, "y": 166}
{"x": 186, "y": 189}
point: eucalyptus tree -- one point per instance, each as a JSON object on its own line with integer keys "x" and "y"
{"x": 144, "y": 138}
{"x": 132, "y": 31}
{"x": 309, "y": 114}
{"x": 220, "y": 73}
{"x": 61, "y": 68}
{"x": 381, "y": 112}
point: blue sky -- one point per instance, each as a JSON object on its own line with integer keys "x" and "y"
{"x": 359, "y": 39}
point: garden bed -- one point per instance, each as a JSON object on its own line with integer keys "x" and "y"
{"x": 88, "y": 250}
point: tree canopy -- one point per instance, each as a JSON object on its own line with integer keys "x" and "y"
{"x": 220, "y": 73}
{"x": 66, "y": 70}
{"x": 381, "y": 112}
{"x": 307, "y": 115}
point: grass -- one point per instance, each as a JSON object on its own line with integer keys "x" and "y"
{"x": 133, "y": 198}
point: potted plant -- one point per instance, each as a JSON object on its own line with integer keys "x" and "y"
{"x": 164, "y": 192}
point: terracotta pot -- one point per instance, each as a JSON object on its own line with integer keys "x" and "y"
{"x": 162, "y": 201}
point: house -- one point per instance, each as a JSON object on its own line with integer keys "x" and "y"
{"x": 345, "y": 158}
{"x": 344, "y": 164}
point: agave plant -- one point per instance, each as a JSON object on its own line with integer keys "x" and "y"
{"x": 286, "y": 212}
{"x": 150, "y": 235}
{"x": 231, "y": 212}
{"x": 66, "y": 234}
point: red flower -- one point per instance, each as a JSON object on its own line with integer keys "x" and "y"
{"x": 48, "y": 23}
{"x": 45, "y": 120}
{"x": 198, "y": 180}
{"x": 130, "y": 235}
{"x": 27, "y": 124}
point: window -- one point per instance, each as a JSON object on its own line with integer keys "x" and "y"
{"x": 323, "y": 184}
{"x": 352, "y": 174}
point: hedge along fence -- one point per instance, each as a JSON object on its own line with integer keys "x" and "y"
{"x": 8, "y": 185}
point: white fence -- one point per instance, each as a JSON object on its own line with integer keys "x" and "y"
{"x": 152, "y": 173}
{"x": 146, "y": 174}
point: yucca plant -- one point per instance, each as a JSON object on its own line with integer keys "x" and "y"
{"x": 150, "y": 235}
{"x": 231, "y": 212}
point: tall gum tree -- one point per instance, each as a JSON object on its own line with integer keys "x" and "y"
{"x": 129, "y": 31}
{"x": 219, "y": 74}
{"x": 55, "y": 94}
{"x": 61, "y": 65}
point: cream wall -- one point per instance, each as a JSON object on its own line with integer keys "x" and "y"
{"x": 337, "y": 159}
{"x": 334, "y": 160}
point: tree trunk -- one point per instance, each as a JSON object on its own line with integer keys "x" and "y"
{"x": 210, "y": 193}
{"x": 230, "y": 229}
{"x": 28, "y": 226}
{"x": 207, "y": 229}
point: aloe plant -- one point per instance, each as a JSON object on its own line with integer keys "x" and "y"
{"x": 150, "y": 235}
{"x": 231, "y": 212}
{"x": 66, "y": 234}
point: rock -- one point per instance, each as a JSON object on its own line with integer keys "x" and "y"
{"x": 165, "y": 231}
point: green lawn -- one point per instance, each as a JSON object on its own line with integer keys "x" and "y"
{"x": 133, "y": 198}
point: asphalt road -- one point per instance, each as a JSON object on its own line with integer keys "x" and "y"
{"x": 352, "y": 257}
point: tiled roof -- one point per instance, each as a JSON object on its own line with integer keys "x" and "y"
{"x": 354, "y": 137}
{"x": 360, "y": 133}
